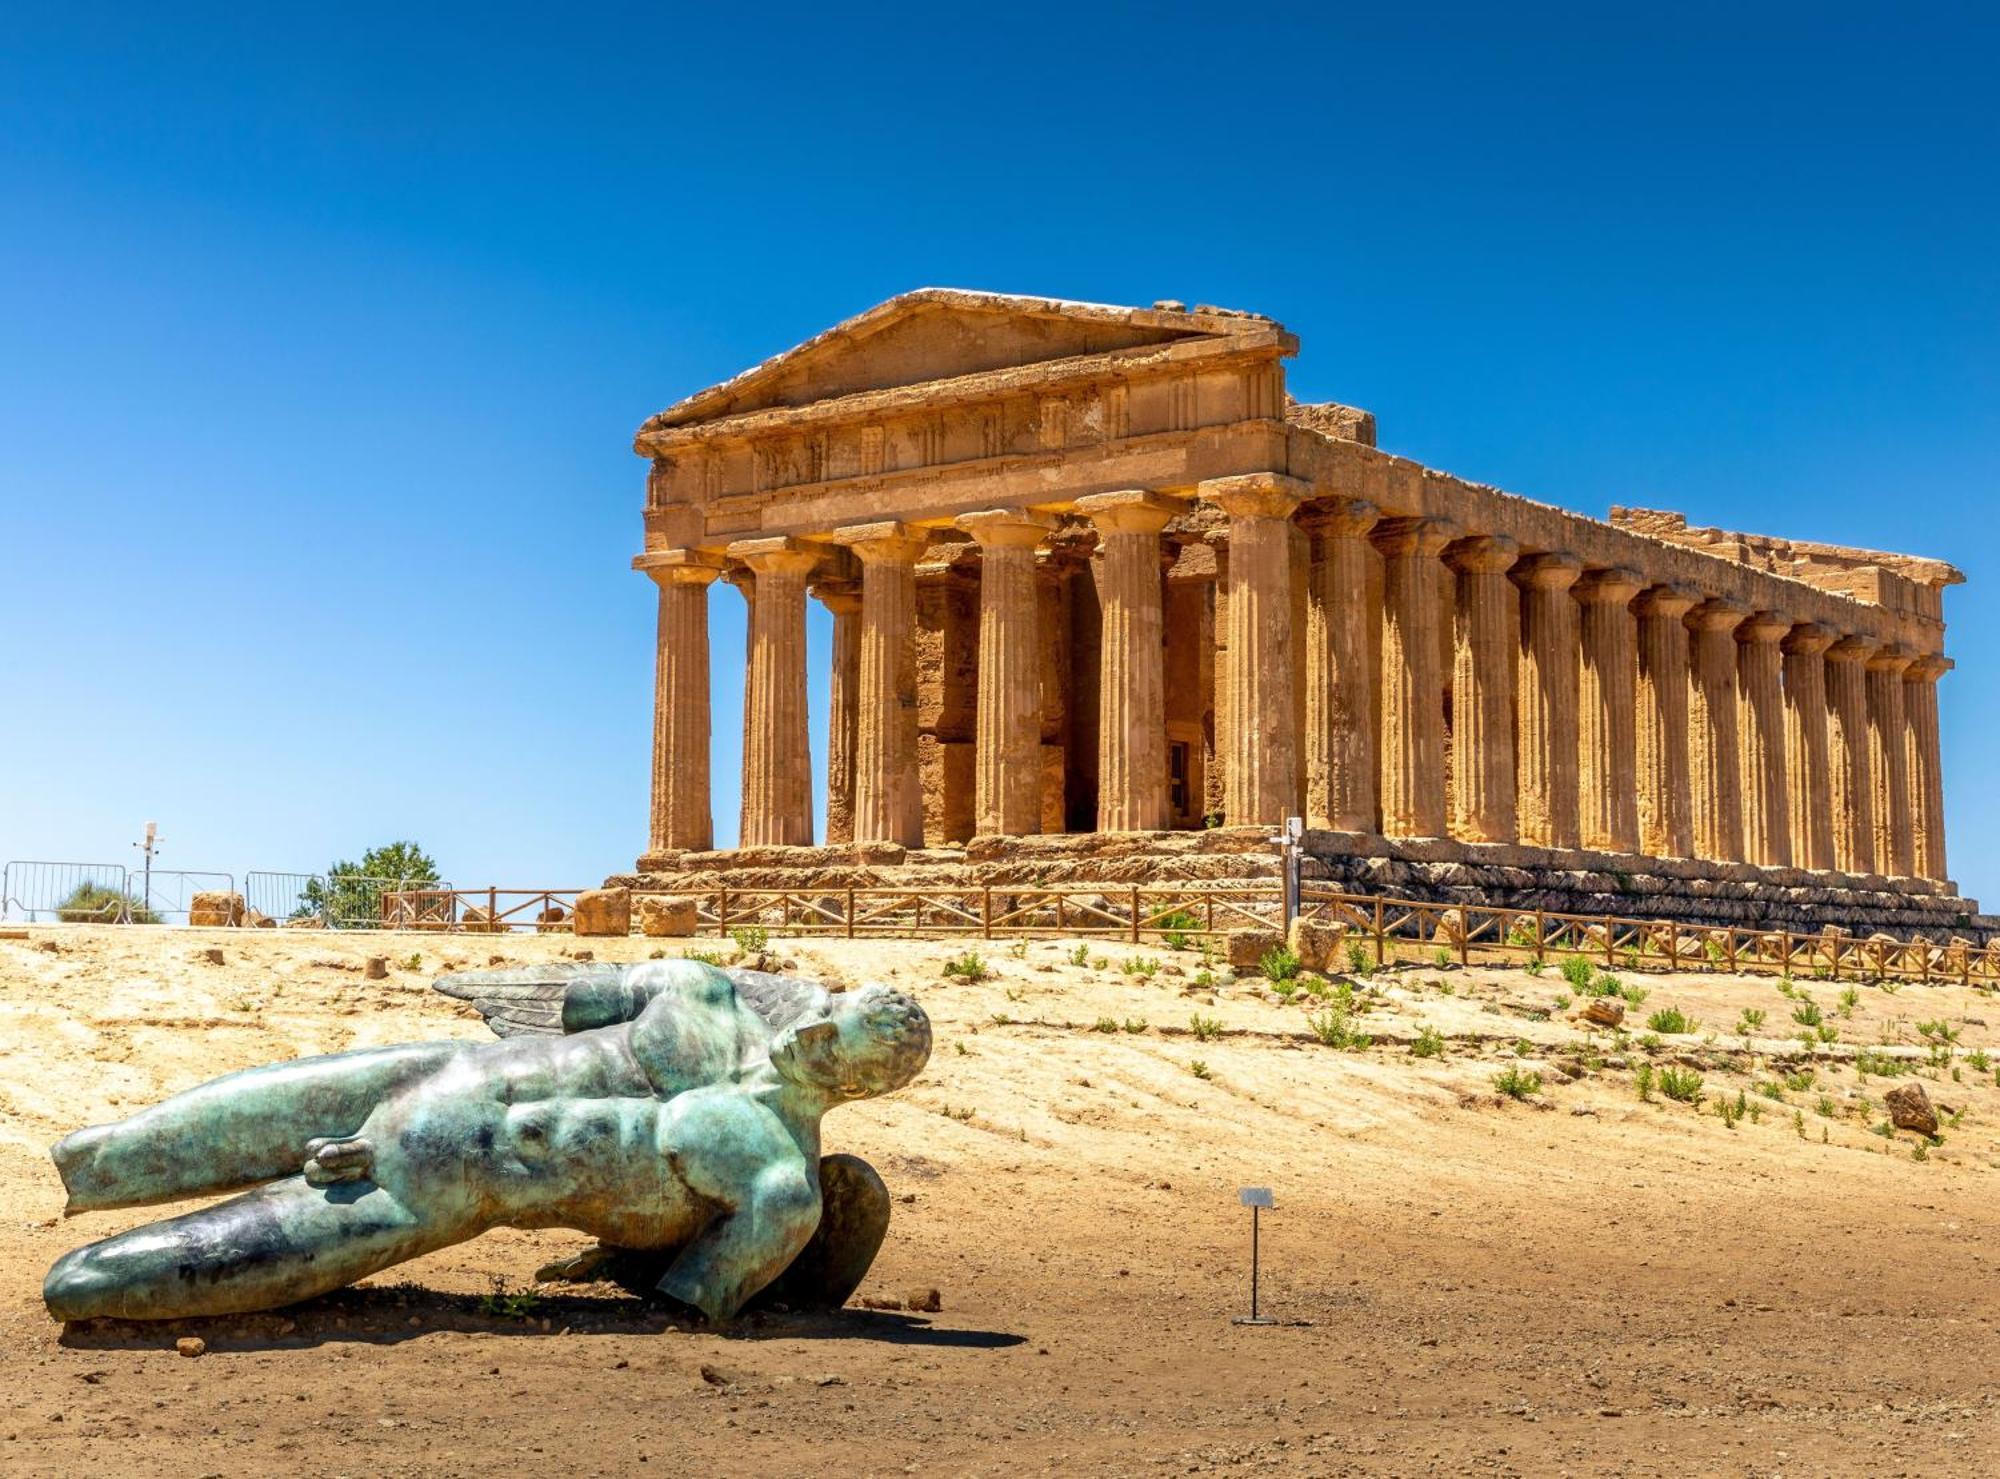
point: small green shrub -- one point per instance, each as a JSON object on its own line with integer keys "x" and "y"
{"x": 1750, "y": 1021}
{"x": 1135, "y": 1024}
{"x": 1204, "y": 979}
{"x": 1279, "y": 964}
{"x": 1681, "y": 1084}
{"x": 1516, "y": 1082}
{"x": 1205, "y": 1029}
{"x": 750, "y": 938}
{"x": 1578, "y": 971}
{"x": 1198, "y": 1068}
{"x": 92, "y": 903}
{"x": 1671, "y": 1019}
{"x": 1176, "y": 928}
{"x": 967, "y": 967}
{"x": 1429, "y": 1043}
{"x": 1335, "y": 1029}
{"x": 1107, "y": 1024}
{"x": 1642, "y": 1081}
{"x": 1441, "y": 958}
{"x": 1358, "y": 961}
{"x": 1142, "y": 966}
{"x": 1800, "y": 1081}
{"x": 1729, "y": 1111}
{"x": 1826, "y": 1108}
{"x": 1081, "y": 955}
{"x": 1808, "y": 1014}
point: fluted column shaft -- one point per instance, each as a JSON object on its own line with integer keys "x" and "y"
{"x": 1666, "y": 820}
{"x": 1260, "y": 769}
{"x": 1806, "y": 779}
{"x": 1413, "y": 781}
{"x": 1007, "y": 774}
{"x": 1482, "y": 690}
{"x": 777, "y": 746}
{"x": 888, "y": 799}
{"x": 1889, "y": 762}
{"x": 1767, "y": 817}
{"x": 843, "y": 600}
{"x": 1131, "y": 689}
{"x": 681, "y": 813}
{"x": 1714, "y": 765}
{"x": 1849, "y": 769}
{"x": 1342, "y": 630}
{"x": 1926, "y": 762}
{"x": 1546, "y": 744}
{"x": 1607, "y": 680}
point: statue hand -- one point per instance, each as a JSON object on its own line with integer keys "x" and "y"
{"x": 330, "y": 1160}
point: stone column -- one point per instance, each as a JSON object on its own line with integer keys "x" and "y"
{"x": 1259, "y": 743}
{"x": 1806, "y": 779}
{"x": 1889, "y": 761}
{"x": 681, "y": 817}
{"x": 888, "y": 799}
{"x": 1007, "y": 781}
{"x": 1132, "y": 699}
{"x": 777, "y": 746}
{"x": 1767, "y": 816}
{"x": 1342, "y": 629}
{"x": 842, "y": 598}
{"x": 1849, "y": 772}
{"x": 1714, "y": 766}
{"x": 1413, "y": 789}
{"x": 1546, "y": 745}
{"x": 1482, "y": 690}
{"x": 1666, "y": 824}
{"x": 1607, "y": 682}
{"x": 1926, "y": 762}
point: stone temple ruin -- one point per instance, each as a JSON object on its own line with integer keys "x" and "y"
{"x": 1108, "y": 604}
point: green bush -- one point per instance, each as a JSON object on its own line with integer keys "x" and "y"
{"x": 1517, "y": 1083}
{"x": 1671, "y": 1019}
{"x": 92, "y": 903}
{"x": 1682, "y": 1084}
{"x": 1281, "y": 964}
{"x": 349, "y": 896}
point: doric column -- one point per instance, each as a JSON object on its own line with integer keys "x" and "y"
{"x": 1715, "y": 769}
{"x": 1546, "y": 745}
{"x": 777, "y": 747}
{"x": 1767, "y": 817}
{"x": 1260, "y": 742}
{"x": 1413, "y": 792}
{"x": 888, "y": 799}
{"x": 1482, "y": 690}
{"x": 1849, "y": 772}
{"x": 1806, "y": 780}
{"x": 1007, "y": 776}
{"x": 1131, "y": 690}
{"x": 1666, "y": 822}
{"x": 1342, "y": 629}
{"x": 1926, "y": 763}
{"x": 1607, "y": 681}
{"x": 842, "y": 598}
{"x": 1889, "y": 761}
{"x": 681, "y": 814}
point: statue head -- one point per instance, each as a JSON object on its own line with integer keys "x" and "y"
{"x": 867, "y": 1042}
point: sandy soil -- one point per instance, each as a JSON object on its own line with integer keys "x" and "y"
{"x": 1580, "y": 1281}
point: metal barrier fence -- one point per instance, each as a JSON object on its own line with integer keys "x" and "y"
{"x": 1464, "y": 932}
{"x": 74, "y": 893}
{"x": 166, "y": 895}
{"x": 340, "y": 901}
{"x": 489, "y": 910}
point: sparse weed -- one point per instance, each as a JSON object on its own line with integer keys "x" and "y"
{"x": 706, "y": 957}
{"x": 1977, "y": 1060}
{"x": 1429, "y": 1043}
{"x": 1808, "y": 1014}
{"x": 1536, "y": 966}
{"x": 1204, "y": 979}
{"x": 1205, "y": 1029}
{"x": 1847, "y": 1001}
{"x": 1771, "y": 1090}
{"x": 509, "y": 1304}
{"x": 750, "y": 938}
{"x": 1334, "y": 1029}
{"x": 1578, "y": 971}
{"x": 962, "y": 1049}
{"x": 1175, "y": 929}
{"x": 1135, "y": 1025}
{"x": 1750, "y": 1021}
{"x": 1142, "y": 966}
{"x": 1516, "y": 1082}
{"x": 968, "y": 967}
{"x": 1642, "y": 1080}
{"x": 1800, "y": 1081}
{"x": 1729, "y": 1111}
{"x": 1081, "y": 955}
{"x": 1358, "y": 962}
{"x": 1441, "y": 958}
{"x": 1106, "y": 1024}
{"x": 1681, "y": 1084}
{"x": 1198, "y": 1068}
{"x": 1279, "y": 964}
{"x": 1672, "y": 1019}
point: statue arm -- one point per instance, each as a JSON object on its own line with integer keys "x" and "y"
{"x": 770, "y": 1202}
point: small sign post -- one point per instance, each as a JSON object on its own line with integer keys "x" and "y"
{"x": 1256, "y": 1198}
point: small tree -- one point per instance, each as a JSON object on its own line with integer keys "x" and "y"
{"x": 350, "y": 895}
{"x": 91, "y": 902}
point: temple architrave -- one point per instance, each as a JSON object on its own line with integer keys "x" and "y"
{"x": 1103, "y": 593}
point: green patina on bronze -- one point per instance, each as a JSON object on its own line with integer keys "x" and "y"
{"x": 671, "y": 1109}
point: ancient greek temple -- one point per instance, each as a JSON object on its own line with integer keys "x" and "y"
{"x": 1092, "y": 570}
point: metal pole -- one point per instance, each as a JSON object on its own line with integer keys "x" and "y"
{"x": 1253, "y": 1260}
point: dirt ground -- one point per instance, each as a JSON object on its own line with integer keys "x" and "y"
{"x": 1580, "y": 1280}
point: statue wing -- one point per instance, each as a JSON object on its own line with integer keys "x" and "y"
{"x": 530, "y": 998}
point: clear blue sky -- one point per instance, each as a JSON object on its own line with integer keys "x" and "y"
{"x": 324, "y": 332}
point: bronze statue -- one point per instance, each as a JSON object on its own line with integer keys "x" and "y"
{"x": 670, "y": 1108}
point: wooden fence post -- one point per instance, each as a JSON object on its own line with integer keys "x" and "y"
{"x": 1381, "y": 945}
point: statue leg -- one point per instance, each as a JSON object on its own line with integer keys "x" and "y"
{"x": 273, "y": 1246}
{"x": 242, "y": 1128}
{"x": 854, "y": 1218}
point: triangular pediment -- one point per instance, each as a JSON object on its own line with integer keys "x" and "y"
{"x": 941, "y": 333}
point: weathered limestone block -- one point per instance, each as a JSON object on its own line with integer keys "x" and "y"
{"x": 949, "y": 769}
{"x": 551, "y": 919}
{"x": 1910, "y": 1108}
{"x": 665, "y": 916}
{"x": 213, "y": 907}
{"x": 1248, "y": 947}
{"x": 603, "y": 911}
{"x": 1321, "y": 945}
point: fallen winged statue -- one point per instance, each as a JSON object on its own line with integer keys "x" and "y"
{"x": 670, "y": 1108}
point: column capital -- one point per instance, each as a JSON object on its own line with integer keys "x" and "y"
{"x": 1345, "y": 517}
{"x": 1615, "y": 586}
{"x": 887, "y": 541}
{"x": 1485, "y": 554}
{"x": 1129, "y": 510}
{"x": 1928, "y": 667}
{"x": 1891, "y": 659}
{"x": 776, "y": 556}
{"x": 1267, "y": 495}
{"x": 1714, "y": 615}
{"x": 667, "y": 567}
{"x": 1852, "y": 648}
{"x": 1808, "y": 638}
{"x": 1763, "y": 627}
{"x": 1670, "y": 602}
{"x": 1414, "y": 536}
{"x": 1552, "y": 570}
{"x": 841, "y": 597}
{"x": 1006, "y": 528}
